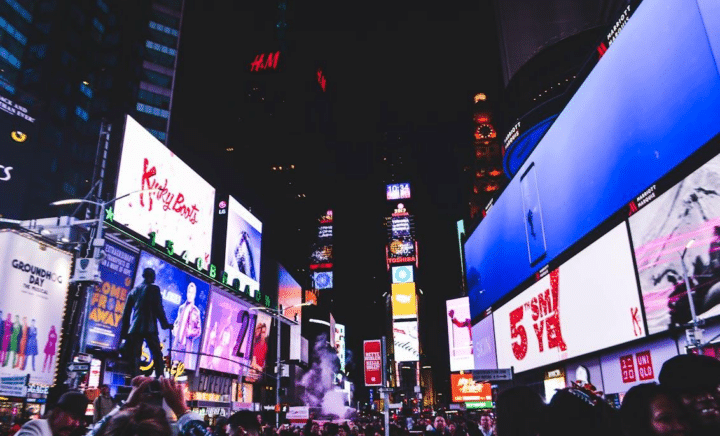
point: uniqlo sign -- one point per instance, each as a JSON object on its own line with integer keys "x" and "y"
{"x": 372, "y": 352}
{"x": 644, "y": 365}
{"x": 627, "y": 369}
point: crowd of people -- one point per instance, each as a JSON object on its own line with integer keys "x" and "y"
{"x": 685, "y": 402}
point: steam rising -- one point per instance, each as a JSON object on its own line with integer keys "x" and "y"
{"x": 319, "y": 382}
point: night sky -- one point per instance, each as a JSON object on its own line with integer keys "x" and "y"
{"x": 388, "y": 64}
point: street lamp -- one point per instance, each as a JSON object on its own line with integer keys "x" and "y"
{"x": 278, "y": 315}
{"x": 694, "y": 336}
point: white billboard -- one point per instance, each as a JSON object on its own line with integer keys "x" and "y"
{"x": 32, "y": 304}
{"x": 181, "y": 208}
{"x": 561, "y": 316}
{"x": 243, "y": 247}
{"x": 460, "y": 338}
{"x": 405, "y": 337}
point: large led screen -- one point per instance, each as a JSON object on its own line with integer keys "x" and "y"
{"x": 106, "y": 301}
{"x": 620, "y": 114}
{"x": 290, "y": 294}
{"x": 397, "y": 191}
{"x": 323, "y": 280}
{"x": 402, "y": 274}
{"x": 181, "y": 207}
{"x": 404, "y": 300}
{"x": 559, "y": 316}
{"x": 32, "y": 304}
{"x": 184, "y": 299}
{"x": 260, "y": 346}
{"x": 460, "y": 338}
{"x": 227, "y": 345}
{"x": 689, "y": 211}
{"x": 405, "y": 338}
{"x": 242, "y": 248}
{"x": 463, "y": 388}
{"x": 484, "y": 353}
{"x": 340, "y": 345}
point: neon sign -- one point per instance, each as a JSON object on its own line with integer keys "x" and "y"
{"x": 321, "y": 79}
{"x": 261, "y": 64}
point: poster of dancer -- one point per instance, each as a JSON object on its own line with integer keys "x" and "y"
{"x": 242, "y": 247}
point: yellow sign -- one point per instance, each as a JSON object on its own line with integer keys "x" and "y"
{"x": 404, "y": 300}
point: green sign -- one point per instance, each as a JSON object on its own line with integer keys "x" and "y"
{"x": 479, "y": 405}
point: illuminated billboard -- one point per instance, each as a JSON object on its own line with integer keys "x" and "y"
{"x": 340, "y": 345}
{"x": 402, "y": 274}
{"x": 290, "y": 294}
{"x": 181, "y": 207}
{"x": 484, "y": 353}
{"x": 460, "y": 337}
{"x": 323, "y": 280}
{"x": 400, "y": 226}
{"x": 260, "y": 346}
{"x": 32, "y": 302}
{"x": 463, "y": 388}
{"x": 405, "y": 338}
{"x": 664, "y": 225}
{"x": 404, "y": 300}
{"x": 243, "y": 246}
{"x": 397, "y": 191}
{"x": 401, "y": 250}
{"x": 228, "y": 342}
{"x": 558, "y": 317}
{"x": 617, "y": 110}
{"x": 184, "y": 298}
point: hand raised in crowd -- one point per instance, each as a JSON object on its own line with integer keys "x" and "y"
{"x": 139, "y": 391}
{"x": 174, "y": 395}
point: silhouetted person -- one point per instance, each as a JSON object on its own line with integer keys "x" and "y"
{"x": 649, "y": 409}
{"x": 143, "y": 310}
{"x": 62, "y": 420}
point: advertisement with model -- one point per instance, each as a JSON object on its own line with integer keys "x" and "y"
{"x": 559, "y": 316}
{"x": 184, "y": 298}
{"x": 180, "y": 206}
{"x": 32, "y": 305}
{"x": 460, "y": 335}
{"x": 243, "y": 247}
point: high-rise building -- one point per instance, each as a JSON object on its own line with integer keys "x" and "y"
{"x": 72, "y": 66}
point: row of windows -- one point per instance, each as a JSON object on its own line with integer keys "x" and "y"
{"x": 12, "y": 60}
{"x": 161, "y": 48}
{"x": 103, "y": 6}
{"x": 82, "y": 113}
{"x": 153, "y": 110}
{"x": 12, "y": 31}
{"x": 85, "y": 89}
{"x": 164, "y": 29}
{"x": 162, "y": 136}
{"x": 165, "y": 19}
{"x": 153, "y": 99}
{"x": 6, "y": 86}
{"x": 98, "y": 25}
{"x": 20, "y": 10}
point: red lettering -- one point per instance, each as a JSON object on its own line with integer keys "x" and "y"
{"x": 145, "y": 183}
{"x": 552, "y": 323}
{"x": 534, "y": 308}
{"x": 627, "y": 369}
{"x": 539, "y": 327}
{"x": 257, "y": 63}
{"x": 170, "y": 201}
{"x": 546, "y": 306}
{"x": 518, "y": 331}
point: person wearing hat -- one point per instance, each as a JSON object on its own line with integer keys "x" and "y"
{"x": 243, "y": 423}
{"x": 143, "y": 310}
{"x": 696, "y": 380}
{"x": 62, "y": 420}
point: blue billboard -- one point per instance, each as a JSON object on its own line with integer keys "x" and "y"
{"x": 106, "y": 301}
{"x": 185, "y": 299}
{"x": 650, "y": 102}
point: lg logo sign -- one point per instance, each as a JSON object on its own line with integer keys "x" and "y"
{"x": 5, "y": 173}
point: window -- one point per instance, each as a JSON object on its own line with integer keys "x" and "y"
{"x": 161, "y": 48}
{"x": 153, "y": 110}
{"x": 82, "y": 113}
{"x": 157, "y": 78}
{"x": 164, "y": 29}
{"x": 85, "y": 89}
{"x": 154, "y": 99}
{"x": 20, "y": 10}
{"x": 98, "y": 25}
{"x": 12, "y": 60}
{"x": 12, "y": 31}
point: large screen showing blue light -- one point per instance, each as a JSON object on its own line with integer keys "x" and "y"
{"x": 650, "y": 102}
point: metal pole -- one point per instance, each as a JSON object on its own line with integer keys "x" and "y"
{"x": 386, "y": 394}
{"x": 695, "y": 341}
{"x": 277, "y": 379}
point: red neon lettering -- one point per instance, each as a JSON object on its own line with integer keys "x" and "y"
{"x": 257, "y": 63}
{"x": 518, "y": 331}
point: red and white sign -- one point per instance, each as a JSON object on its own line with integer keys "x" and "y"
{"x": 181, "y": 207}
{"x": 372, "y": 352}
{"x": 627, "y": 369}
{"x": 559, "y": 316}
{"x": 644, "y": 366}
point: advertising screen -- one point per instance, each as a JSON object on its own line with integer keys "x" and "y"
{"x": 243, "y": 244}
{"x": 464, "y": 388}
{"x": 184, "y": 298}
{"x": 340, "y": 345}
{"x": 181, "y": 208}
{"x": 617, "y": 110}
{"x": 404, "y": 300}
{"x": 323, "y": 280}
{"x": 559, "y": 316}
{"x": 397, "y": 191}
{"x": 484, "y": 353}
{"x": 372, "y": 354}
{"x": 400, "y": 226}
{"x": 106, "y": 301}
{"x": 32, "y": 302}
{"x": 689, "y": 211}
{"x": 405, "y": 337}
{"x": 460, "y": 338}
{"x": 227, "y": 345}
{"x": 289, "y": 294}
{"x": 322, "y": 254}
{"x": 402, "y": 274}
{"x": 260, "y": 346}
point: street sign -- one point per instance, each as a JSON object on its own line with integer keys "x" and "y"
{"x": 86, "y": 270}
{"x": 492, "y": 374}
{"x": 78, "y": 367}
{"x": 381, "y": 390}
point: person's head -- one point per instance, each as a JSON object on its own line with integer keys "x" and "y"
{"x": 652, "y": 410}
{"x": 439, "y": 423}
{"x": 32, "y": 322}
{"x": 485, "y": 421}
{"x": 332, "y": 429}
{"x": 191, "y": 292}
{"x": 68, "y": 414}
{"x": 695, "y": 379}
{"x": 343, "y": 430}
{"x": 104, "y": 389}
{"x": 315, "y": 428}
{"x": 149, "y": 275}
{"x": 519, "y": 401}
{"x": 17, "y": 319}
{"x": 243, "y": 423}
{"x": 452, "y": 428}
{"x": 260, "y": 331}
{"x": 220, "y": 424}
{"x": 141, "y": 420}
{"x": 574, "y": 411}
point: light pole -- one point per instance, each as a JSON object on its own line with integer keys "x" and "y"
{"x": 278, "y": 315}
{"x": 694, "y": 336}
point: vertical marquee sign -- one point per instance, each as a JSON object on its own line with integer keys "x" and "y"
{"x": 372, "y": 352}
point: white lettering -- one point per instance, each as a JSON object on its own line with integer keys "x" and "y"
{"x": 5, "y": 173}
